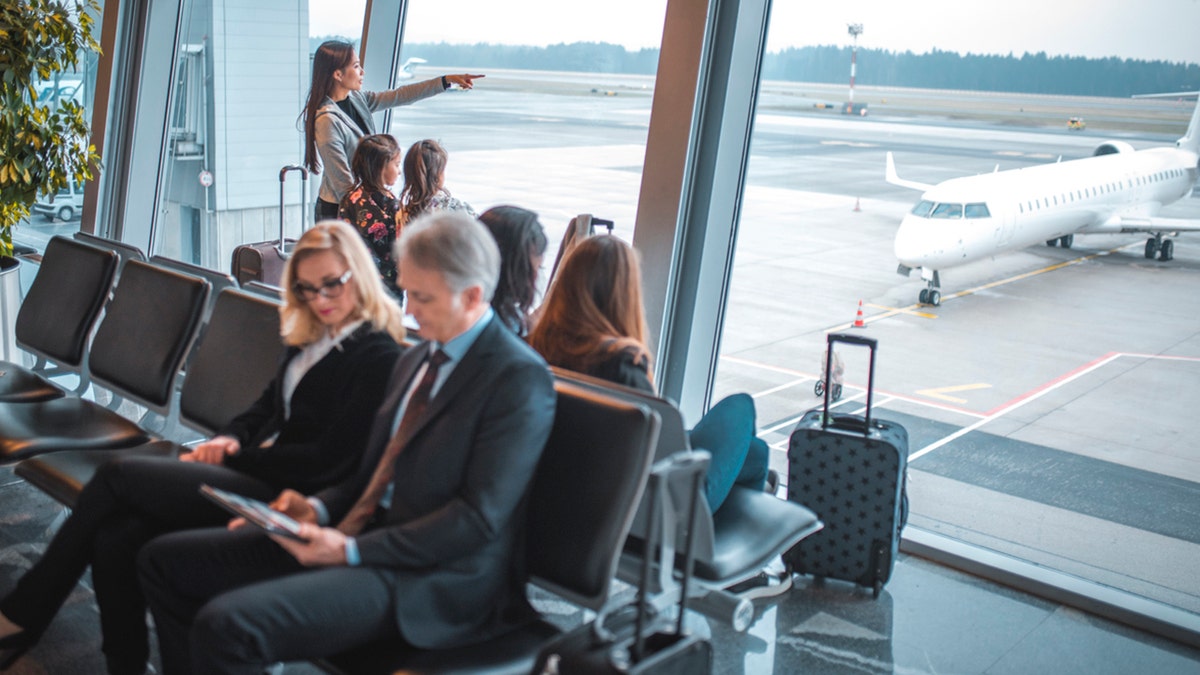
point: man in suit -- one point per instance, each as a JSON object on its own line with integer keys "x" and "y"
{"x": 428, "y": 539}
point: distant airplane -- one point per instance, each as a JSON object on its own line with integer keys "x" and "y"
{"x": 1116, "y": 190}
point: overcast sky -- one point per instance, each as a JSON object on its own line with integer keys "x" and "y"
{"x": 1143, "y": 29}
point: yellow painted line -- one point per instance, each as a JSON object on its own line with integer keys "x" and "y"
{"x": 941, "y": 392}
{"x": 1051, "y": 268}
{"x": 911, "y": 309}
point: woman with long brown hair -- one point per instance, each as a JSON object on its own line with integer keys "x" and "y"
{"x": 593, "y": 322}
{"x": 338, "y": 113}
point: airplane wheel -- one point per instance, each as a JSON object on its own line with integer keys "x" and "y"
{"x": 1066, "y": 241}
{"x": 1051, "y": 242}
{"x": 1151, "y": 248}
{"x": 1167, "y": 250}
{"x": 923, "y": 298}
{"x": 935, "y": 298}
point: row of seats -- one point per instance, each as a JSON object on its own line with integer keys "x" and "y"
{"x": 583, "y": 532}
{"x": 152, "y": 322}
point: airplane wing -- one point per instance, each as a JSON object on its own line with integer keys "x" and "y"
{"x": 892, "y": 178}
{"x": 1125, "y": 225}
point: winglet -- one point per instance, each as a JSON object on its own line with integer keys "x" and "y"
{"x": 891, "y": 177}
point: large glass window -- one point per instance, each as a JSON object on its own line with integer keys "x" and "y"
{"x": 1048, "y": 397}
{"x": 241, "y": 78}
{"x": 559, "y": 123}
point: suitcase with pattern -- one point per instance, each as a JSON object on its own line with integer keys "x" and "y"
{"x": 264, "y": 261}
{"x": 850, "y": 470}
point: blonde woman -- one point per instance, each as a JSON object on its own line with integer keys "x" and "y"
{"x": 305, "y": 432}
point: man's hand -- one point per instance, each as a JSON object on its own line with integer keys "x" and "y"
{"x": 324, "y": 546}
{"x": 296, "y": 505}
{"x": 289, "y": 502}
{"x": 213, "y": 451}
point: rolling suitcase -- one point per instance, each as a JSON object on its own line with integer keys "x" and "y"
{"x": 850, "y": 470}
{"x": 628, "y": 646}
{"x": 265, "y": 260}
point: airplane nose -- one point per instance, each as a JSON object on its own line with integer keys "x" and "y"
{"x": 909, "y": 247}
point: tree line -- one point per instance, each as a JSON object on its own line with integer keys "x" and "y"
{"x": 1037, "y": 73}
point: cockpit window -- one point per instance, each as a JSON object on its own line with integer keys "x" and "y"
{"x": 923, "y": 208}
{"x": 978, "y": 210}
{"x": 947, "y": 211}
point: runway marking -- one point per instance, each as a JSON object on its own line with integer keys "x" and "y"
{"x": 941, "y": 392}
{"x": 879, "y": 392}
{"x": 1028, "y": 397}
{"x": 786, "y": 385}
{"x": 911, "y": 309}
{"x": 1051, "y": 268}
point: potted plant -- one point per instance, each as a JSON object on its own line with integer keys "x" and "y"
{"x": 43, "y": 144}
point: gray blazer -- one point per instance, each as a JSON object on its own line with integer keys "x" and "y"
{"x": 337, "y": 135}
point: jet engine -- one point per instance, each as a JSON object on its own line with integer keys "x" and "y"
{"x": 1112, "y": 148}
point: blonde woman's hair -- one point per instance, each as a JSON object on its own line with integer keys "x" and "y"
{"x": 299, "y": 326}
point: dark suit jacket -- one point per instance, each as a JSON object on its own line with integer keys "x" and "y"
{"x": 454, "y": 534}
{"x": 331, "y": 413}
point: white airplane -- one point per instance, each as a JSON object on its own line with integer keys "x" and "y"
{"x": 1116, "y": 190}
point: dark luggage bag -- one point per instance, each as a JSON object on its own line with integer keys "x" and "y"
{"x": 265, "y": 260}
{"x": 850, "y": 470}
{"x": 628, "y": 645}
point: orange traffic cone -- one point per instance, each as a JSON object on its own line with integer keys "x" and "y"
{"x": 858, "y": 321}
{"x": 856, "y": 205}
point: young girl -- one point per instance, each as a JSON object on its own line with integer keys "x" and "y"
{"x": 338, "y": 114}
{"x": 371, "y": 207}
{"x": 522, "y": 242}
{"x": 425, "y": 181}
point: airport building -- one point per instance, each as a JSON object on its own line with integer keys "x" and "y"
{"x": 1054, "y": 489}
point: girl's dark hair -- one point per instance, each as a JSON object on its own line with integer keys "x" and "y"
{"x": 331, "y": 56}
{"x": 424, "y": 169}
{"x": 519, "y": 236}
{"x": 372, "y": 155}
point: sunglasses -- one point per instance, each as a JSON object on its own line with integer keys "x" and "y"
{"x": 329, "y": 289}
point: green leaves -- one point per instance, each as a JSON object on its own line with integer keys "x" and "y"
{"x": 42, "y": 144}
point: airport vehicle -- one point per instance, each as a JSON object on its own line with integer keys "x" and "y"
{"x": 1076, "y": 124}
{"x": 1115, "y": 191}
{"x": 66, "y": 205}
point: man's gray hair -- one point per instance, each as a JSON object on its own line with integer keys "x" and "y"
{"x": 455, "y": 244}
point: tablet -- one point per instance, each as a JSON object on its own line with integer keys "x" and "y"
{"x": 254, "y": 511}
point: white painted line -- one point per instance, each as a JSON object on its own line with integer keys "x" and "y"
{"x": 788, "y": 385}
{"x": 1004, "y": 411}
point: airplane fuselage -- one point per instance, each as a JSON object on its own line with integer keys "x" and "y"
{"x": 970, "y": 218}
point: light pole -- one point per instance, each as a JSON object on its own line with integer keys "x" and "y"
{"x": 855, "y": 29}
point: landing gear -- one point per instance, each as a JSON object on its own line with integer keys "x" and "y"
{"x": 1166, "y": 251}
{"x": 1051, "y": 242}
{"x": 930, "y": 296}
{"x": 1066, "y": 241}
{"x": 1165, "y": 248}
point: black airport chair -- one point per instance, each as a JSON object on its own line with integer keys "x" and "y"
{"x": 137, "y": 351}
{"x": 588, "y": 485}
{"x": 231, "y": 364}
{"x": 56, "y": 319}
{"x": 749, "y": 531}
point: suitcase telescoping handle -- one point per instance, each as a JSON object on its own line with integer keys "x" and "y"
{"x": 303, "y": 200}
{"x": 872, "y": 345}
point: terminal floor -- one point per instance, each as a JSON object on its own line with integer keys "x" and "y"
{"x": 930, "y": 619}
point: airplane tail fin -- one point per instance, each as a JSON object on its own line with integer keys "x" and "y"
{"x": 1191, "y": 140}
{"x": 891, "y": 176}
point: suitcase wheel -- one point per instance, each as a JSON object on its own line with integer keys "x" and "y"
{"x": 819, "y": 388}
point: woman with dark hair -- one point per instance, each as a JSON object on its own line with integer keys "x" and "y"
{"x": 425, "y": 182}
{"x": 338, "y": 113}
{"x": 522, "y": 243}
{"x": 593, "y": 322}
{"x": 306, "y": 431}
{"x": 371, "y": 207}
